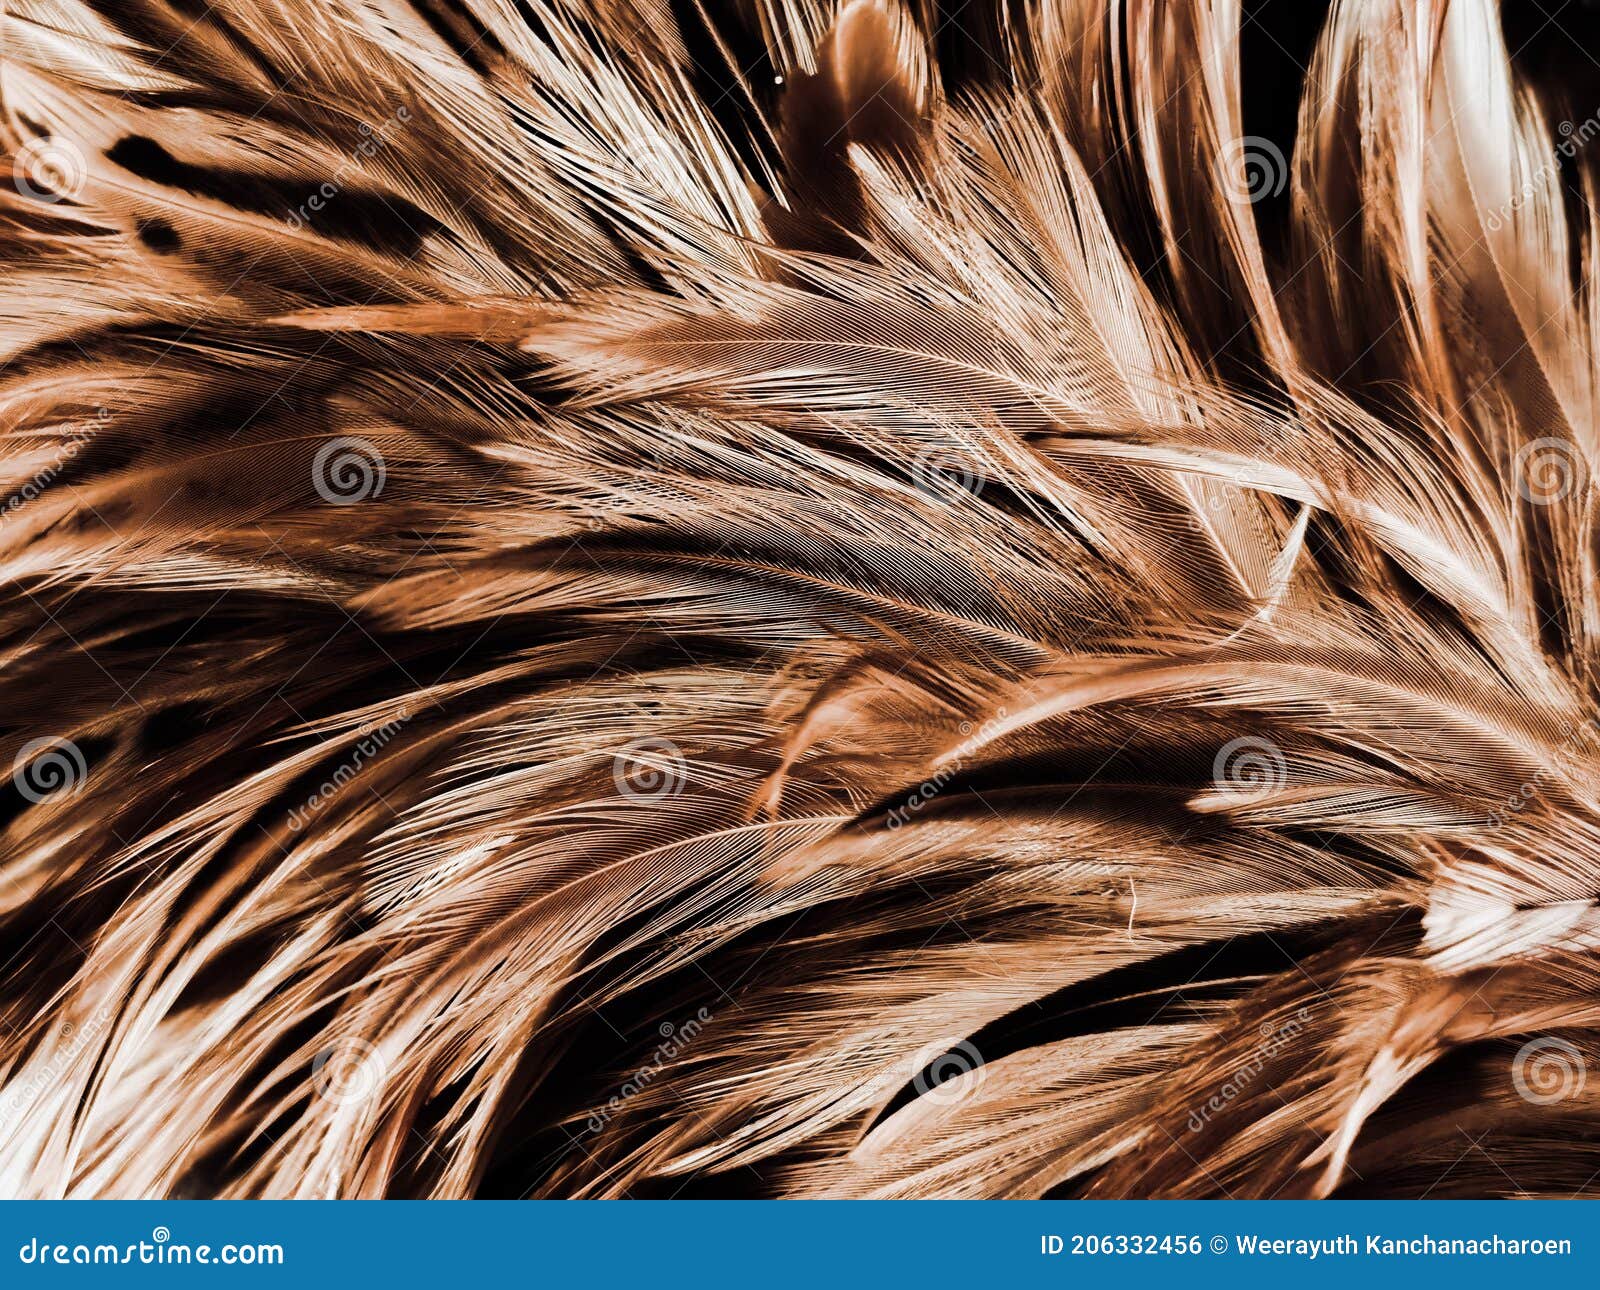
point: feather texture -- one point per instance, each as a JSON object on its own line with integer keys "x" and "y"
{"x": 778, "y": 599}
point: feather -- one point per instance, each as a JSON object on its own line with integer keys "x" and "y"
{"x": 785, "y": 598}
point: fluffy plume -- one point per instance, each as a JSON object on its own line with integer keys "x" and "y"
{"x": 771, "y": 599}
